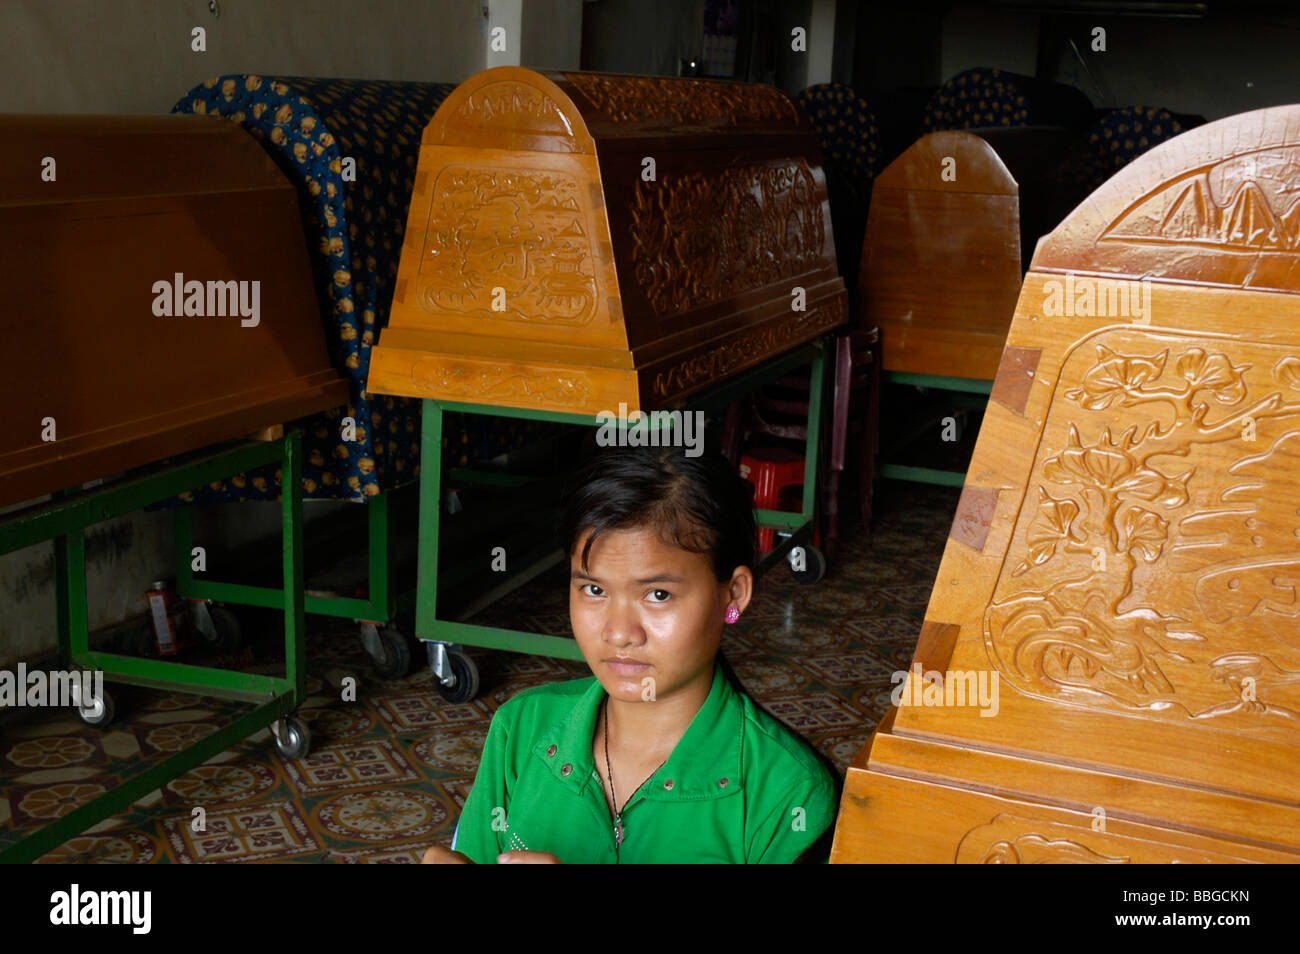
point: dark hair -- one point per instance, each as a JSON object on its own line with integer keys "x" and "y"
{"x": 699, "y": 503}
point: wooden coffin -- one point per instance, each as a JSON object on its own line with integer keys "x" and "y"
{"x": 97, "y": 215}
{"x": 1125, "y": 558}
{"x": 951, "y": 223}
{"x": 576, "y": 241}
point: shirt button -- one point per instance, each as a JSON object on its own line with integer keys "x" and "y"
{"x": 668, "y": 785}
{"x": 550, "y": 751}
{"x": 722, "y": 782}
{"x": 566, "y": 769}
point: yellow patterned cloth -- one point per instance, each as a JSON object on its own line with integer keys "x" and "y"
{"x": 847, "y": 133}
{"x": 1111, "y": 144}
{"x": 850, "y": 143}
{"x": 989, "y": 97}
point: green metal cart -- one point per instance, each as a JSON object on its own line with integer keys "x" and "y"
{"x": 373, "y": 613}
{"x": 272, "y": 699}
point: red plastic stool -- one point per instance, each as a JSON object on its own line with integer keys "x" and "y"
{"x": 772, "y": 470}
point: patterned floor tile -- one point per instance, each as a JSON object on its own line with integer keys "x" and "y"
{"x": 386, "y": 814}
{"x": 339, "y": 721}
{"x": 388, "y": 855}
{"x": 52, "y": 752}
{"x": 770, "y": 676}
{"x": 843, "y": 748}
{"x": 121, "y": 848}
{"x": 347, "y": 765}
{"x": 806, "y": 712}
{"x": 452, "y": 750}
{"x": 263, "y": 831}
{"x": 799, "y": 636}
{"x": 34, "y": 805}
{"x": 221, "y": 784}
{"x": 848, "y": 669}
{"x": 406, "y": 713}
{"x": 156, "y": 740}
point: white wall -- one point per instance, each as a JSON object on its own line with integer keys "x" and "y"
{"x": 979, "y": 36}
{"x": 134, "y": 56}
{"x": 637, "y": 36}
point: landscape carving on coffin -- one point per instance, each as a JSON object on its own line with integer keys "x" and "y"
{"x": 576, "y": 241}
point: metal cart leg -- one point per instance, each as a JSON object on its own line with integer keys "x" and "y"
{"x": 273, "y": 699}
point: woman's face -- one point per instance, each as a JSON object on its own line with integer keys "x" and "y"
{"x": 648, "y": 615}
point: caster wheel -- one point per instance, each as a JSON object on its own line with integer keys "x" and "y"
{"x": 395, "y": 663}
{"x": 230, "y": 634}
{"x": 294, "y": 738}
{"x": 464, "y": 684}
{"x": 99, "y": 714}
{"x": 814, "y": 567}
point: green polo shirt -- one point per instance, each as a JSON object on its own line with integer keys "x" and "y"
{"x": 738, "y": 787}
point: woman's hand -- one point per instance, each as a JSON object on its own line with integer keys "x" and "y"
{"x": 527, "y": 858}
{"x": 438, "y": 855}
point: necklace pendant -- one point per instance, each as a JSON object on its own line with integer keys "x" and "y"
{"x": 618, "y": 831}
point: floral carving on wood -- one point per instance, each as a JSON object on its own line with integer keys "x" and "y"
{"x": 737, "y": 353}
{"x": 700, "y": 238}
{"x": 521, "y": 231}
{"x": 1014, "y": 839}
{"x": 444, "y": 378}
{"x": 1155, "y": 562}
{"x": 647, "y": 98}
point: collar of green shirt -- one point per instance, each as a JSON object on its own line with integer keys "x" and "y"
{"x": 705, "y": 763}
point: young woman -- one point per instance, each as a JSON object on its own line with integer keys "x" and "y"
{"x": 658, "y": 757}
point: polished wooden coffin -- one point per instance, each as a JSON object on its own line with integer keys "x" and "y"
{"x": 1124, "y": 564}
{"x": 580, "y": 240}
{"x": 951, "y": 225}
{"x": 160, "y": 296}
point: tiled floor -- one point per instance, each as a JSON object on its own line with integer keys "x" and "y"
{"x": 388, "y": 773}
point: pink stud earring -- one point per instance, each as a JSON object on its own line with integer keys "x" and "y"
{"x": 733, "y": 614}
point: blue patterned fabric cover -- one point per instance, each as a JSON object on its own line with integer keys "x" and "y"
{"x": 848, "y": 135}
{"x": 1112, "y": 143}
{"x": 1123, "y": 135}
{"x": 850, "y": 142}
{"x": 354, "y": 233}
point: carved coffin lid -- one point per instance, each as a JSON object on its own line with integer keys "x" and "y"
{"x": 132, "y": 202}
{"x": 1126, "y": 552}
{"x": 943, "y": 255}
{"x": 543, "y": 268}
